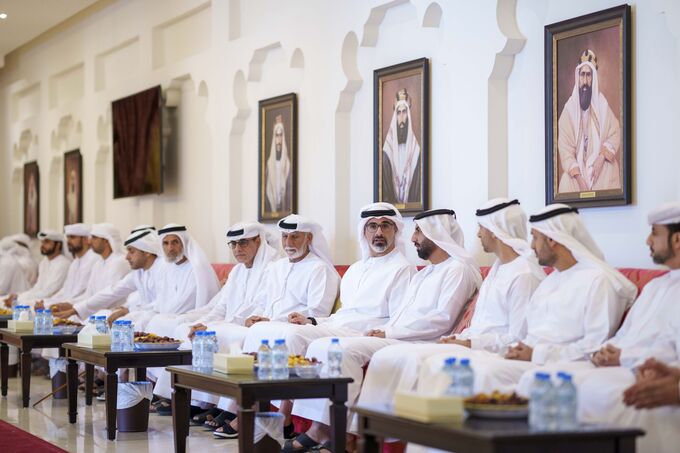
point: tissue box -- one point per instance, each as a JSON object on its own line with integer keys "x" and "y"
{"x": 94, "y": 340}
{"x": 19, "y": 326}
{"x": 428, "y": 408}
{"x": 233, "y": 363}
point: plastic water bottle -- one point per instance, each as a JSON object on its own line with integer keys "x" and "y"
{"x": 566, "y": 402}
{"x": 538, "y": 394}
{"x": 264, "y": 361}
{"x": 47, "y": 322}
{"x": 466, "y": 379}
{"x": 451, "y": 371}
{"x": 334, "y": 358}
{"x": 100, "y": 323}
{"x": 215, "y": 344}
{"x": 38, "y": 324}
{"x": 128, "y": 336}
{"x": 208, "y": 352}
{"x": 197, "y": 350}
{"x": 116, "y": 334}
{"x": 280, "y": 360}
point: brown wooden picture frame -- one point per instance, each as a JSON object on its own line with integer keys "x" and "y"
{"x": 73, "y": 187}
{"x": 31, "y": 198}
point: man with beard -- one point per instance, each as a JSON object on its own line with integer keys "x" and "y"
{"x": 84, "y": 259}
{"x": 51, "y": 271}
{"x": 106, "y": 272}
{"x": 401, "y": 164}
{"x": 279, "y": 182}
{"x": 631, "y": 363}
{"x": 572, "y": 312}
{"x": 305, "y": 281}
{"x": 589, "y": 135}
{"x": 431, "y": 305}
{"x": 187, "y": 282}
{"x": 142, "y": 251}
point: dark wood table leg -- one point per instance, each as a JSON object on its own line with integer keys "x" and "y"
{"x": 338, "y": 416}
{"x": 246, "y": 428}
{"x": 25, "y": 376}
{"x": 89, "y": 383}
{"x": 625, "y": 445}
{"x": 264, "y": 406}
{"x": 140, "y": 374}
{"x": 181, "y": 398}
{"x": 72, "y": 388}
{"x": 4, "y": 367}
{"x": 368, "y": 443}
{"x": 111, "y": 389}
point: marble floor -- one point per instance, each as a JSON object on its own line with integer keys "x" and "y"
{"x": 49, "y": 421}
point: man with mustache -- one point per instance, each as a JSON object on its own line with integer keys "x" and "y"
{"x": 401, "y": 155}
{"x": 589, "y": 135}
{"x": 431, "y": 305}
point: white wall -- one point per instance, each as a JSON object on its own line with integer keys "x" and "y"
{"x": 220, "y": 58}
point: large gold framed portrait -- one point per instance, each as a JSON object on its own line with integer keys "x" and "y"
{"x": 587, "y": 103}
{"x": 401, "y": 97}
{"x": 277, "y": 176}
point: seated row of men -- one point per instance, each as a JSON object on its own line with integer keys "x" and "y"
{"x": 399, "y": 319}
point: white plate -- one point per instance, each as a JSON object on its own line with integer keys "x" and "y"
{"x": 157, "y": 346}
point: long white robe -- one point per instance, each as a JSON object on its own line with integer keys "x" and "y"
{"x": 569, "y": 316}
{"x": 12, "y": 278}
{"x": 51, "y": 277}
{"x": 77, "y": 279}
{"x": 141, "y": 282}
{"x": 371, "y": 291}
{"x": 499, "y": 319}
{"x": 433, "y": 302}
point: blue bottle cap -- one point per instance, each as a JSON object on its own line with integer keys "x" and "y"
{"x": 38, "y": 310}
{"x": 200, "y": 333}
{"x": 542, "y": 375}
{"x": 265, "y": 342}
{"x": 280, "y": 341}
{"x": 47, "y": 311}
{"x": 92, "y": 317}
{"x": 211, "y": 332}
{"x": 450, "y": 361}
{"x": 465, "y": 362}
{"x": 335, "y": 340}
{"x": 100, "y": 317}
{"x": 564, "y": 376}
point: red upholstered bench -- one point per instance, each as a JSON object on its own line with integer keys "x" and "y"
{"x": 638, "y": 276}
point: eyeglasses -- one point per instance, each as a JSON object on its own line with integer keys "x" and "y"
{"x": 241, "y": 243}
{"x": 372, "y": 227}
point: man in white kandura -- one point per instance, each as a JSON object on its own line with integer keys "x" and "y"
{"x": 499, "y": 318}
{"x": 305, "y": 281}
{"x": 235, "y": 302}
{"x": 84, "y": 259}
{"x": 12, "y": 277}
{"x": 136, "y": 291}
{"x": 25, "y": 257}
{"x": 187, "y": 282}
{"x": 631, "y": 386}
{"x": 51, "y": 271}
{"x": 371, "y": 290}
{"x": 571, "y": 313}
{"x": 434, "y": 299}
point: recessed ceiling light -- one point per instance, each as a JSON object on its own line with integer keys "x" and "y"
{"x": 3, "y": 15}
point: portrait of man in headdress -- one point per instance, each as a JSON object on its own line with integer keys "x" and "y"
{"x": 401, "y": 123}
{"x": 588, "y": 98}
{"x": 31, "y": 199}
{"x": 277, "y": 157}
{"x": 73, "y": 198}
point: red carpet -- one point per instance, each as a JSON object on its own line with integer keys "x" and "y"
{"x": 15, "y": 440}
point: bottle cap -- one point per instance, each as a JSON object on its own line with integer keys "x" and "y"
{"x": 465, "y": 362}
{"x": 47, "y": 311}
{"x": 38, "y": 310}
{"x": 265, "y": 342}
{"x": 564, "y": 376}
{"x": 450, "y": 361}
{"x": 542, "y": 376}
{"x": 335, "y": 340}
{"x": 280, "y": 341}
{"x": 100, "y": 317}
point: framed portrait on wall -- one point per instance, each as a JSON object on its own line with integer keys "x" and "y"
{"x": 73, "y": 183}
{"x": 587, "y": 106}
{"x": 401, "y": 106}
{"x": 31, "y": 199}
{"x": 277, "y": 142}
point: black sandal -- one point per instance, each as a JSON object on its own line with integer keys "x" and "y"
{"x": 199, "y": 419}
{"x": 304, "y": 440}
{"x": 227, "y": 431}
{"x": 219, "y": 420}
{"x": 164, "y": 408}
{"x": 289, "y": 432}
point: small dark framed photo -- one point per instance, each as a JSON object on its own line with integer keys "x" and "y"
{"x": 73, "y": 183}
{"x": 31, "y": 199}
{"x": 277, "y": 169}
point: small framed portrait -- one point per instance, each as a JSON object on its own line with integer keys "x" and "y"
{"x": 587, "y": 107}
{"x": 31, "y": 199}
{"x": 73, "y": 183}
{"x": 277, "y": 176}
{"x": 401, "y": 106}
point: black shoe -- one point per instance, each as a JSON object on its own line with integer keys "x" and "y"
{"x": 227, "y": 432}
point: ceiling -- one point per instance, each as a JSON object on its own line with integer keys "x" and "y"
{"x": 27, "y": 19}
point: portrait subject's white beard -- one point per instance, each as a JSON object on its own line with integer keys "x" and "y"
{"x": 294, "y": 253}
